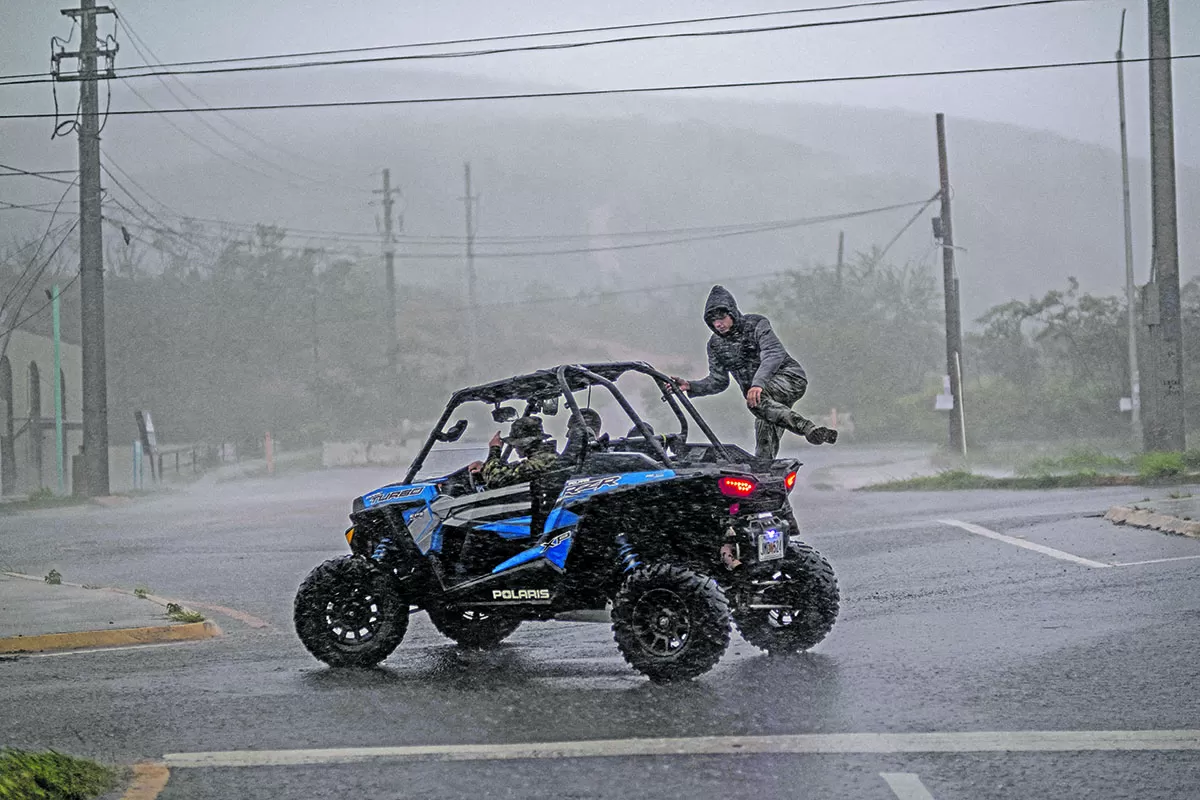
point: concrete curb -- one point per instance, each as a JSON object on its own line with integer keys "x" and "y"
{"x": 120, "y": 637}
{"x": 109, "y": 637}
{"x": 146, "y": 781}
{"x": 1145, "y": 518}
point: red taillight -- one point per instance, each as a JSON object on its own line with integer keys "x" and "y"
{"x": 736, "y": 487}
{"x": 790, "y": 480}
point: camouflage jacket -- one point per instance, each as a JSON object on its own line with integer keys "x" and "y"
{"x": 497, "y": 473}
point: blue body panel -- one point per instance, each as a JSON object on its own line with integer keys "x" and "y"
{"x": 560, "y": 521}
{"x": 388, "y": 495}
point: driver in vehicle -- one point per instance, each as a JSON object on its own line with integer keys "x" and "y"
{"x": 534, "y": 447}
{"x": 578, "y": 435}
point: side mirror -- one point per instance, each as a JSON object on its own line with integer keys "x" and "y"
{"x": 452, "y": 434}
{"x": 504, "y": 414}
{"x": 550, "y": 406}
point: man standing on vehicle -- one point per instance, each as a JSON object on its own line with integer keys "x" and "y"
{"x": 770, "y": 379}
{"x": 533, "y": 446}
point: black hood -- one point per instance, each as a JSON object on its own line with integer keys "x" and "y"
{"x": 720, "y": 299}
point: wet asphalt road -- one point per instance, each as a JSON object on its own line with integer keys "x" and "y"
{"x": 942, "y": 630}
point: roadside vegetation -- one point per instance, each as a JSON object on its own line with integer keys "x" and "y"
{"x": 1077, "y": 468}
{"x": 52, "y": 776}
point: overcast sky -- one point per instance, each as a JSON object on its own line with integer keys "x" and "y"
{"x": 1078, "y": 103}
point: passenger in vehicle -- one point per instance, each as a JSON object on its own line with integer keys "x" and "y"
{"x": 534, "y": 447}
{"x": 578, "y": 434}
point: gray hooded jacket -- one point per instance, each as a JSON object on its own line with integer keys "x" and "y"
{"x": 751, "y": 351}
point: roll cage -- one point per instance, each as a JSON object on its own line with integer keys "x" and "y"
{"x": 563, "y": 381}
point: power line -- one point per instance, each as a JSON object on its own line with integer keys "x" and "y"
{"x": 509, "y": 37}
{"x": 754, "y": 228}
{"x": 7, "y": 206}
{"x": 125, "y": 74}
{"x": 138, "y": 45}
{"x": 16, "y": 287}
{"x": 455, "y": 241}
{"x": 505, "y": 37}
{"x": 633, "y": 90}
{"x": 16, "y": 172}
{"x": 908, "y": 224}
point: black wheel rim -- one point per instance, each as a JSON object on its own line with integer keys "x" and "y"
{"x": 662, "y": 624}
{"x": 797, "y": 610}
{"x": 353, "y": 616}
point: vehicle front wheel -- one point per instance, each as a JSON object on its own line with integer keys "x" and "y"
{"x": 348, "y": 614}
{"x": 670, "y": 623}
{"x": 797, "y": 606}
{"x": 474, "y": 629}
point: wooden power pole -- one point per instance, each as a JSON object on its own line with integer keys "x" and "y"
{"x": 389, "y": 272}
{"x": 471, "y": 327}
{"x": 1163, "y": 427}
{"x": 954, "y": 358}
{"x": 91, "y": 248}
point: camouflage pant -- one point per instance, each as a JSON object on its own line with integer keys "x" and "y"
{"x": 774, "y": 413}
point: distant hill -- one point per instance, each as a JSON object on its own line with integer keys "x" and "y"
{"x": 1031, "y": 208}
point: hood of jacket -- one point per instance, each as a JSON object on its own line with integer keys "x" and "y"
{"x": 721, "y": 300}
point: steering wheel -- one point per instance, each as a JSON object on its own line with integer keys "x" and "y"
{"x": 473, "y": 480}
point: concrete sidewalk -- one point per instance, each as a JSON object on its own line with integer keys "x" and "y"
{"x": 37, "y": 616}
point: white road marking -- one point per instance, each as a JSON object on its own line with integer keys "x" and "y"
{"x": 87, "y": 650}
{"x": 979, "y": 530}
{"x": 1154, "y": 561}
{"x": 831, "y": 743}
{"x": 906, "y": 785}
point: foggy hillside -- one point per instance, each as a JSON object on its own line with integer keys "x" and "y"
{"x": 1030, "y": 207}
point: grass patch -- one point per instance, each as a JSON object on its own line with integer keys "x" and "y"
{"x": 180, "y": 614}
{"x": 51, "y": 776}
{"x": 957, "y": 479}
{"x": 1156, "y": 466}
{"x": 141, "y": 592}
{"x": 1076, "y": 460}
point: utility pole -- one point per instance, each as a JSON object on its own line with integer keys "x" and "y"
{"x": 389, "y": 271}
{"x": 91, "y": 248}
{"x": 1135, "y": 382}
{"x": 472, "y": 307}
{"x": 1164, "y": 429}
{"x": 958, "y": 442}
{"x": 841, "y": 253}
{"x": 58, "y": 398}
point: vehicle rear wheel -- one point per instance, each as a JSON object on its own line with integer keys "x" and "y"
{"x": 804, "y": 602}
{"x": 670, "y": 623}
{"x": 478, "y": 630}
{"x": 348, "y": 614}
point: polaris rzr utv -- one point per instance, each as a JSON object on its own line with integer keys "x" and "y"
{"x": 670, "y": 539}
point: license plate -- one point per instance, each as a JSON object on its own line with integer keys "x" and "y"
{"x": 770, "y": 545}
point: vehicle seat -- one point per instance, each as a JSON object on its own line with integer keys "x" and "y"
{"x": 543, "y": 491}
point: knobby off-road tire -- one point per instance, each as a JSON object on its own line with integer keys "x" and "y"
{"x": 809, "y": 589}
{"x": 477, "y": 630}
{"x": 670, "y": 623}
{"x": 348, "y": 614}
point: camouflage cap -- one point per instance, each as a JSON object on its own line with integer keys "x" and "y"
{"x": 525, "y": 430}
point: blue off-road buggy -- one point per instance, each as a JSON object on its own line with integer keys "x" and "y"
{"x": 671, "y": 539}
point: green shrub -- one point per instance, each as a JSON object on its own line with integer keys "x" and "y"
{"x": 1161, "y": 465}
{"x": 51, "y": 776}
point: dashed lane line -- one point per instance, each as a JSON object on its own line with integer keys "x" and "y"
{"x": 801, "y": 744}
{"x": 1154, "y": 561}
{"x": 906, "y": 785}
{"x": 979, "y": 530}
